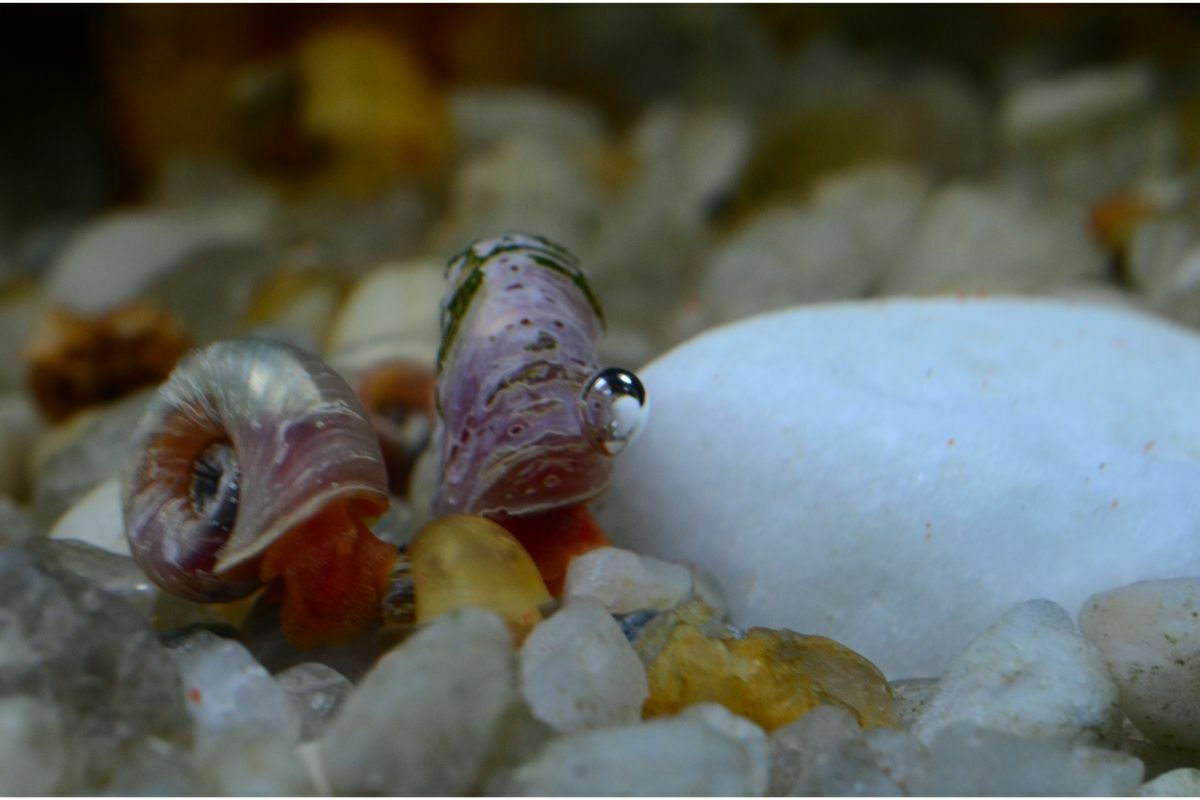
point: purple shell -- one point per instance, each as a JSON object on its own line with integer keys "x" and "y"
{"x": 519, "y": 331}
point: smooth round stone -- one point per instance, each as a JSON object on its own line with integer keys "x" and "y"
{"x": 396, "y": 302}
{"x": 895, "y": 475}
{"x": 1149, "y": 634}
{"x": 1183, "y": 782}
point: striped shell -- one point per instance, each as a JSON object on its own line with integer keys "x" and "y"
{"x": 289, "y": 437}
{"x": 519, "y": 331}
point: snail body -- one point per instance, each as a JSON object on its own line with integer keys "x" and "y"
{"x": 528, "y": 419}
{"x": 255, "y": 462}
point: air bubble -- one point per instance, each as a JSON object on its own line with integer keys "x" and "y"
{"x": 614, "y": 409}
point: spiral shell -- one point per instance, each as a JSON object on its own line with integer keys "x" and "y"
{"x": 246, "y": 440}
{"x": 519, "y": 327}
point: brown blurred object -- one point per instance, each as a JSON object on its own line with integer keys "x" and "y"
{"x": 74, "y": 361}
{"x": 293, "y": 90}
{"x": 369, "y": 99}
{"x": 1114, "y": 218}
{"x": 399, "y": 397}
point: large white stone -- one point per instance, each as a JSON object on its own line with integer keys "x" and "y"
{"x": 897, "y": 474}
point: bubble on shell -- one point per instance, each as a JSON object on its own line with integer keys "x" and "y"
{"x": 615, "y": 409}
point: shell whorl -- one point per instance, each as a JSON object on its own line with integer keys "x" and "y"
{"x": 300, "y": 440}
{"x": 519, "y": 331}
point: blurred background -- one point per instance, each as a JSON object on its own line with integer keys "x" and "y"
{"x": 245, "y": 168}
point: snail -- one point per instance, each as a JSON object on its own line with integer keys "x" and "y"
{"x": 255, "y": 464}
{"x": 529, "y": 420}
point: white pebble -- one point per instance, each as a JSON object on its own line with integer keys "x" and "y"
{"x": 1183, "y": 782}
{"x": 691, "y": 754}
{"x": 1029, "y": 674}
{"x": 423, "y": 720}
{"x": 973, "y": 238}
{"x": 966, "y": 760}
{"x": 96, "y": 519}
{"x": 625, "y": 581}
{"x": 579, "y": 671}
{"x": 226, "y": 689}
{"x": 1148, "y": 634}
{"x": 33, "y": 747}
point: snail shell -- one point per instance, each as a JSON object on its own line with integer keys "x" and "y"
{"x": 519, "y": 327}
{"x": 246, "y": 440}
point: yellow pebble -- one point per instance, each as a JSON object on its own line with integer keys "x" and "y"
{"x": 770, "y": 676}
{"x": 463, "y": 561}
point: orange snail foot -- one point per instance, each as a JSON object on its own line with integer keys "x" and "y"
{"x": 332, "y": 572}
{"x": 553, "y": 538}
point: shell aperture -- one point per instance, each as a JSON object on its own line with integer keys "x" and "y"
{"x": 247, "y": 442}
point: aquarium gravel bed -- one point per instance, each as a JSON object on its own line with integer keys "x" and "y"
{"x": 603, "y": 401}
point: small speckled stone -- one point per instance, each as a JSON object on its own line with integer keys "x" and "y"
{"x": 462, "y": 561}
{"x": 1148, "y": 634}
{"x": 579, "y": 671}
{"x": 770, "y": 676}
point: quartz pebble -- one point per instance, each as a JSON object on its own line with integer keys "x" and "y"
{"x": 519, "y": 737}
{"x": 424, "y": 720}
{"x": 114, "y": 258}
{"x": 967, "y": 760}
{"x": 485, "y": 116}
{"x": 20, "y": 425}
{"x": 1074, "y": 104}
{"x": 316, "y": 691}
{"x": 71, "y": 459}
{"x": 1148, "y": 635}
{"x": 397, "y": 302}
{"x": 826, "y": 753}
{"x": 978, "y": 238}
{"x": 523, "y": 183}
{"x": 16, "y": 524}
{"x": 226, "y": 689}
{"x": 782, "y": 257}
{"x": 881, "y": 201}
{"x": 65, "y": 643}
{"x": 769, "y": 676}
{"x": 704, "y": 751}
{"x": 252, "y": 762}
{"x": 96, "y": 519}
{"x": 34, "y": 754}
{"x": 462, "y": 561}
{"x": 578, "y": 670}
{"x": 1029, "y": 674}
{"x": 1183, "y": 782}
{"x": 625, "y": 581}
{"x": 930, "y": 469}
